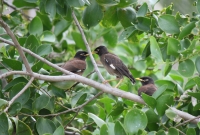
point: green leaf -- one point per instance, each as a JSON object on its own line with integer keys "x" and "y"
{"x": 40, "y": 102}
{"x": 3, "y": 103}
{"x": 35, "y": 26}
{"x": 119, "y": 129}
{"x": 107, "y": 103}
{"x": 48, "y": 36}
{"x": 126, "y": 16}
{"x": 143, "y": 24}
{"x": 197, "y": 64}
{"x": 173, "y": 47}
{"x": 22, "y": 128}
{"x": 44, "y": 50}
{"x": 50, "y": 7}
{"x": 124, "y": 3}
{"x": 14, "y": 108}
{"x": 111, "y": 38}
{"x": 76, "y": 3}
{"x": 107, "y": 2}
{"x": 168, "y": 24}
{"x": 126, "y": 33}
{"x": 186, "y": 68}
{"x": 186, "y": 30}
{"x": 78, "y": 98}
{"x": 45, "y": 126}
{"x": 191, "y": 131}
{"x": 162, "y": 103}
{"x": 104, "y": 130}
{"x": 197, "y": 81}
{"x": 92, "y": 15}
{"x": 32, "y": 42}
{"x": 15, "y": 81}
{"x": 59, "y": 131}
{"x": 173, "y": 131}
{"x": 198, "y": 6}
{"x": 45, "y": 20}
{"x": 135, "y": 120}
{"x": 22, "y": 99}
{"x": 196, "y": 107}
{"x": 194, "y": 94}
{"x": 78, "y": 39}
{"x": 146, "y": 52}
{"x": 152, "y": 116}
{"x": 61, "y": 26}
{"x": 143, "y": 10}
{"x": 155, "y": 50}
{"x": 57, "y": 92}
{"x": 13, "y": 64}
{"x": 150, "y": 101}
{"x": 23, "y": 3}
{"x": 168, "y": 68}
{"x": 110, "y": 17}
{"x": 37, "y": 66}
{"x": 3, "y": 124}
{"x": 96, "y": 119}
{"x": 190, "y": 84}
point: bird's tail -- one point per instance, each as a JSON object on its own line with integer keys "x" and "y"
{"x": 132, "y": 79}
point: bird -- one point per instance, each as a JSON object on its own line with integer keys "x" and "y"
{"x": 113, "y": 65}
{"x": 148, "y": 87}
{"x": 76, "y": 65}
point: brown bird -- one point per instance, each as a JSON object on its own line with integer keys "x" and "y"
{"x": 147, "y": 87}
{"x": 113, "y": 65}
{"x": 77, "y": 65}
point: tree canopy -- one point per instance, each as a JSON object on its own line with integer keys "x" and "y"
{"x": 37, "y": 98}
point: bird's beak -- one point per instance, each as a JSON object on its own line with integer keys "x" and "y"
{"x": 94, "y": 52}
{"x": 87, "y": 55}
{"x": 139, "y": 79}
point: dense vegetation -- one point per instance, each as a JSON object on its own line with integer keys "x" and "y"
{"x": 36, "y": 98}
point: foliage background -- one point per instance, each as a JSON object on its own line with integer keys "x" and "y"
{"x": 163, "y": 44}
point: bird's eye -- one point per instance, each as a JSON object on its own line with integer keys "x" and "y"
{"x": 81, "y": 54}
{"x": 146, "y": 80}
{"x": 97, "y": 50}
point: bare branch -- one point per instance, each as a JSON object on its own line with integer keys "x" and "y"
{"x": 186, "y": 116}
{"x": 97, "y": 85}
{"x": 19, "y": 94}
{"x": 17, "y": 45}
{"x": 88, "y": 47}
{"x": 14, "y": 8}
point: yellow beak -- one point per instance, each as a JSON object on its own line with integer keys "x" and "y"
{"x": 138, "y": 79}
{"x": 94, "y": 52}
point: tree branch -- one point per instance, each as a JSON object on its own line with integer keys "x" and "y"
{"x": 17, "y": 45}
{"x": 88, "y": 47}
{"x": 19, "y": 94}
{"x": 97, "y": 85}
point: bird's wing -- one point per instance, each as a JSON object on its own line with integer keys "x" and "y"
{"x": 75, "y": 65}
{"x": 115, "y": 63}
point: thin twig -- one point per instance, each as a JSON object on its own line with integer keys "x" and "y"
{"x": 19, "y": 94}
{"x": 79, "y": 82}
{"x": 17, "y": 45}
{"x": 187, "y": 121}
{"x": 72, "y": 119}
{"x": 38, "y": 57}
{"x": 14, "y": 8}
{"x": 88, "y": 47}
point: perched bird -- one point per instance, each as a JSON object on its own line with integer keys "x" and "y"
{"x": 113, "y": 65}
{"x": 147, "y": 87}
{"x": 77, "y": 65}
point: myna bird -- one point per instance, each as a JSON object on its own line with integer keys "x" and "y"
{"x": 113, "y": 65}
{"x": 147, "y": 87}
{"x": 77, "y": 65}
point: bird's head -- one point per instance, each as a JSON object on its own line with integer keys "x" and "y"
{"x": 81, "y": 55}
{"x": 100, "y": 50}
{"x": 145, "y": 80}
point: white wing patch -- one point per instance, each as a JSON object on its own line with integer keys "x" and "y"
{"x": 78, "y": 71}
{"x": 113, "y": 67}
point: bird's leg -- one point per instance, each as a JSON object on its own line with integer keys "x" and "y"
{"x": 119, "y": 82}
{"x": 106, "y": 81}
